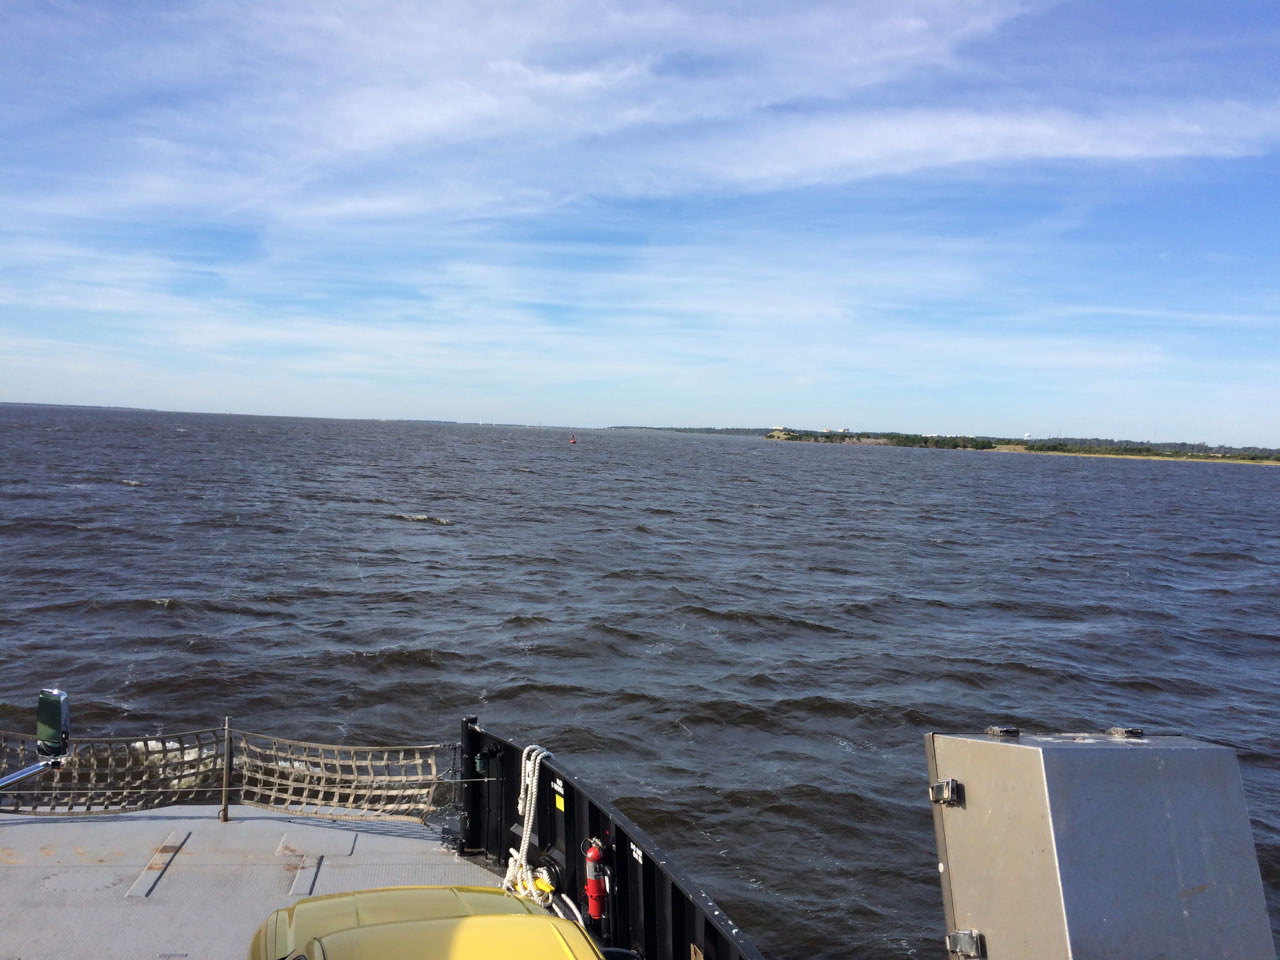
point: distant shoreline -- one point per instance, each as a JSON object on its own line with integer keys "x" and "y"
{"x": 1121, "y": 449}
{"x": 1021, "y": 448}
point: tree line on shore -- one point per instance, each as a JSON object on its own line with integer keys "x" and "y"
{"x": 887, "y": 439}
{"x": 1090, "y": 446}
{"x": 1131, "y": 448}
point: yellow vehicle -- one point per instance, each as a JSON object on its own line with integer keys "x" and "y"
{"x": 420, "y": 923}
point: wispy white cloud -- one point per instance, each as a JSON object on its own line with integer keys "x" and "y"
{"x": 282, "y": 107}
{"x": 840, "y": 148}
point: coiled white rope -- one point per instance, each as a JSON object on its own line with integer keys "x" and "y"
{"x": 520, "y": 875}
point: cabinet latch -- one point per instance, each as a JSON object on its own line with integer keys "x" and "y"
{"x": 949, "y": 793}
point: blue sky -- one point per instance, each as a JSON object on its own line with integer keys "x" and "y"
{"x": 978, "y": 216}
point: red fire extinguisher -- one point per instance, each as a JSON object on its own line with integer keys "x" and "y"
{"x": 595, "y": 888}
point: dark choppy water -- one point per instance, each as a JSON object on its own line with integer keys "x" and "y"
{"x": 746, "y": 640}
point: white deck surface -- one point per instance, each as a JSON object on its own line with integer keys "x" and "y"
{"x": 176, "y": 883}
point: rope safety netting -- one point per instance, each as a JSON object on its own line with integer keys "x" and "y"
{"x": 122, "y": 774}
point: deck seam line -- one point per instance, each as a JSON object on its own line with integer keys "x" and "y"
{"x": 165, "y": 854}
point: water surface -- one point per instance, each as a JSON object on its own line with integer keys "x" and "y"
{"x": 744, "y": 641}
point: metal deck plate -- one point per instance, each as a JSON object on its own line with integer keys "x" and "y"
{"x": 177, "y": 883}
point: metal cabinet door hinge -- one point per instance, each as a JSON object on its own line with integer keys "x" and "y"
{"x": 966, "y": 943}
{"x": 949, "y": 793}
{"x": 1126, "y": 733}
{"x": 1003, "y": 733}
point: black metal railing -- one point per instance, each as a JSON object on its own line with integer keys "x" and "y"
{"x": 652, "y": 908}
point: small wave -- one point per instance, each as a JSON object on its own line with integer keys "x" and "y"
{"x": 236, "y": 521}
{"x": 37, "y": 526}
{"x": 618, "y": 638}
{"x": 729, "y": 616}
{"x": 579, "y": 739}
{"x": 754, "y": 618}
{"x": 762, "y": 714}
{"x": 118, "y": 606}
{"x": 540, "y": 691}
{"x": 792, "y": 806}
{"x": 169, "y": 605}
{"x": 886, "y": 609}
{"x": 993, "y": 668}
{"x": 393, "y": 659}
{"x": 646, "y": 576}
{"x": 1224, "y": 560}
{"x": 1180, "y": 685}
{"x": 1224, "y": 556}
{"x": 524, "y": 621}
{"x": 421, "y": 518}
{"x": 329, "y": 498}
{"x": 1041, "y": 610}
{"x": 624, "y": 575}
{"x": 133, "y": 483}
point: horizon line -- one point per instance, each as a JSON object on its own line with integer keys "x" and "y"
{"x": 672, "y": 429}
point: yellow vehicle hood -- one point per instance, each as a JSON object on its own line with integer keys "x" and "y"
{"x": 417, "y": 923}
{"x": 528, "y": 937}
